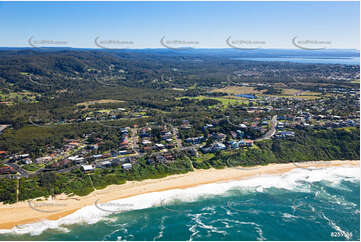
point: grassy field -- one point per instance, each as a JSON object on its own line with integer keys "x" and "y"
{"x": 33, "y": 167}
{"x": 15, "y": 97}
{"x": 290, "y": 91}
{"x": 286, "y": 92}
{"x": 233, "y": 90}
{"x": 300, "y": 94}
{"x": 86, "y": 104}
{"x": 204, "y": 157}
{"x": 194, "y": 86}
{"x": 310, "y": 94}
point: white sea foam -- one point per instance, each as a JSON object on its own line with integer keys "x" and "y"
{"x": 346, "y": 235}
{"x": 293, "y": 180}
{"x": 198, "y": 223}
{"x": 161, "y": 228}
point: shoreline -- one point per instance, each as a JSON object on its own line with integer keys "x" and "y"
{"x": 26, "y": 212}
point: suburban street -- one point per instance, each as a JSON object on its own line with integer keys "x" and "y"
{"x": 22, "y": 172}
{"x": 270, "y": 132}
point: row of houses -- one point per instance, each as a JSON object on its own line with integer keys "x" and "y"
{"x": 148, "y": 146}
{"x": 195, "y": 140}
{"x": 7, "y": 170}
{"x": 161, "y": 158}
{"x": 232, "y": 144}
{"x": 241, "y": 143}
{"x": 104, "y": 164}
{"x": 284, "y": 134}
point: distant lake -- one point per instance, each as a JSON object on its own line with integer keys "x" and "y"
{"x": 313, "y": 60}
{"x": 250, "y": 96}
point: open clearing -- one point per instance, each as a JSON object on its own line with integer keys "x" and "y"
{"x": 233, "y": 90}
{"x": 86, "y": 104}
{"x": 15, "y": 97}
{"x": 286, "y": 92}
{"x": 296, "y": 92}
{"x": 226, "y": 100}
{"x": 290, "y": 92}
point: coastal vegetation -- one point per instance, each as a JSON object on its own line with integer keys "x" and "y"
{"x": 337, "y": 144}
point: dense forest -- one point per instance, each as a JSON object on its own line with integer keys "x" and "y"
{"x": 51, "y": 71}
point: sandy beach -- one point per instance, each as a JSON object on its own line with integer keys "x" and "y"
{"x": 34, "y": 211}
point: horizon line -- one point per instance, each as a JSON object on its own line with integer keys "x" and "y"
{"x": 162, "y": 48}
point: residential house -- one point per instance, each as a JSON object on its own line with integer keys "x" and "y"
{"x": 146, "y": 142}
{"x": 218, "y": 147}
{"x": 219, "y": 136}
{"x": 87, "y": 168}
{"x": 240, "y": 134}
{"x": 195, "y": 140}
{"x": 192, "y": 152}
{"x": 27, "y": 161}
{"x": 104, "y": 164}
{"x": 76, "y": 159}
{"x": 43, "y": 159}
{"x": 147, "y": 148}
{"x": 285, "y": 134}
{"x": 159, "y": 146}
{"x": 168, "y": 156}
{"x": 6, "y": 170}
{"x": 107, "y": 155}
{"x": 127, "y": 166}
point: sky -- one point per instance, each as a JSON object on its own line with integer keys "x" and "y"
{"x": 180, "y": 24}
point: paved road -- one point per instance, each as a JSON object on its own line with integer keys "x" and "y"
{"x": 22, "y": 172}
{"x": 134, "y": 140}
{"x": 57, "y": 171}
{"x": 38, "y": 83}
{"x": 176, "y": 134}
{"x": 270, "y": 132}
{"x": 3, "y": 127}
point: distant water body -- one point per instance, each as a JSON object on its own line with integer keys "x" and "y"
{"x": 322, "y": 204}
{"x": 310, "y": 60}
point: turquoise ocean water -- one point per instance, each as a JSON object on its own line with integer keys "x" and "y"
{"x": 316, "y": 204}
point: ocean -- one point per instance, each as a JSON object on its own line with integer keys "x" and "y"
{"x": 303, "y": 204}
{"x": 309, "y": 60}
